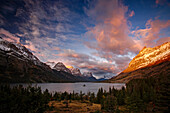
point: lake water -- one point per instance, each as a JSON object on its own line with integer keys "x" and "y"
{"x": 85, "y": 87}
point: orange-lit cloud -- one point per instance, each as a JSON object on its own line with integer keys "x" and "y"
{"x": 111, "y": 34}
{"x": 30, "y": 45}
{"x": 150, "y": 36}
{"x": 9, "y": 36}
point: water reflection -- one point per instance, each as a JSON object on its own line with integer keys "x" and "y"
{"x": 76, "y": 87}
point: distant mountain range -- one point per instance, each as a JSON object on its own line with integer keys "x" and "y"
{"x": 149, "y": 62}
{"x": 18, "y": 64}
{"x": 74, "y": 71}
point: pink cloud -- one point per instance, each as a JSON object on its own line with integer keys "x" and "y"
{"x": 30, "y": 45}
{"x": 152, "y": 33}
{"x": 111, "y": 32}
{"x": 162, "y": 2}
{"x": 163, "y": 40}
{"x": 132, "y": 13}
{"x": 9, "y": 36}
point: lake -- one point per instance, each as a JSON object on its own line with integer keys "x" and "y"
{"x": 85, "y": 87}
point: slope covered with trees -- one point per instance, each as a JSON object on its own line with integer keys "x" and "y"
{"x": 140, "y": 95}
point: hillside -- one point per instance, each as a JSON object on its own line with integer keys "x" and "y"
{"x": 149, "y": 62}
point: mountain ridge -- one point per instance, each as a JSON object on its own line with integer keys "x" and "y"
{"x": 150, "y": 56}
{"x": 149, "y": 62}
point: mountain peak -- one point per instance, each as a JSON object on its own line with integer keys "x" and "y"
{"x": 150, "y": 56}
{"x": 60, "y": 64}
{"x": 76, "y": 72}
{"x": 61, "y": 67}
{"x": 51, "y": 64}
{"x": 88, "y": 74}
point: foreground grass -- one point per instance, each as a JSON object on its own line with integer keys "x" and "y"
{"x": 73, "y": 107}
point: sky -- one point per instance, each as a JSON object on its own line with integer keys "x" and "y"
{"x": 100, "y": 36}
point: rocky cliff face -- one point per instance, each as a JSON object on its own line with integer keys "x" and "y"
{"x": 150, "y": 56}
{"x": 149, "y": 62}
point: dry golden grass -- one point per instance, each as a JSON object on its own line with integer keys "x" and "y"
{"x": 73, "y": 107}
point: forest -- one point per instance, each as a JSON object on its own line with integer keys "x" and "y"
{"x": 140, "y": 96}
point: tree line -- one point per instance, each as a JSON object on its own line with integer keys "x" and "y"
{"x": 140, "y": 95}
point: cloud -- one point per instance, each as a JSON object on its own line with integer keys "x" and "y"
{"x": 9, "y": 36}
{"x": 53, "y": 31}
{"x": 2, "y": 20}
{"x": 162, "y": 2}
{"x": 30, "y": 45}
{"x": 110, "y": 34}
{"x": 45, "y": 18}
{"x": 150, "y": 36}
{"x": 45, "y": 26}
{"x": 43, "y": 47}
{"x": 85, "y": 63}
{"x": 132, "y": 13}
{"x": 163, "y": 40}
{"x": 111, "y": 29}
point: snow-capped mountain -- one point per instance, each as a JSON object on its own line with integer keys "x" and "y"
{"x": 150, "y": 56}
{"x": 18, "y": 64}
{"x": 149, "y": 62}
{"x": 19, "y": 51}
{"x": 51, "y": 64}
{"x": 61, "y": 67}
{"x": 76, "y": 72}
{"x": 88, "y": 74}
{"x": 103, "y": 78}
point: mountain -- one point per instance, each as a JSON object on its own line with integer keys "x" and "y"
{"x": 61, "y": 67}
{"x": 76, "y": 72}
{"x": 86, "y": 76}
{"x": 89, "y": 76}
{"x": 150, "y": 56}
{"x": 102, "y": 79}
{"x": 149, "y": 62}
{"x": 18, "y": 64}
{"x": 51, "y": 64}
